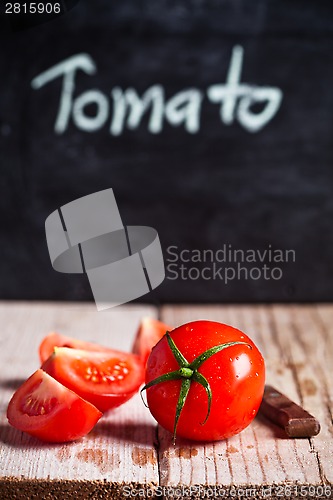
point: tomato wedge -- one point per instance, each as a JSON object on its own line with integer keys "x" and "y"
{"x": 150, "y": 331}
{"x": 57, "y": 340}
{"x": 44, "y": 408}
{"x": 106, "y": 379}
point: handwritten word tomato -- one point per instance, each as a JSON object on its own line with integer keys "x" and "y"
{"x": 44, "y": 408}
{"x": 106, "y": 379}
{"x": 57, "y": 340}
{"x": 150, "y": 331}
{"x": 205, "y": 381}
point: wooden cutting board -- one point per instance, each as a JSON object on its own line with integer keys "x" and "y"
{"x": 128, "y": 454}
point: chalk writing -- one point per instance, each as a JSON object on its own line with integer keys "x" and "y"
{"x": 125, "y": 108}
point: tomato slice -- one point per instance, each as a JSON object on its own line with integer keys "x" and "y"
{"x": 44, "y": 408}
{"x": 57, "y": 340}
{"x": 106, "y": 379}
{"x": 150, "y": 331}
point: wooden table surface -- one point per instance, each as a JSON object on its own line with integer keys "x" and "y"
{"x": 128, "y": 454}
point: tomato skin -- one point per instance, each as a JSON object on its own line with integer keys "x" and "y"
{"x": 236, "y": 376}
{"x": 150, "y": 331}
{"x": 55, "y": 339}
{"x": 69, "y": 416}
{"x": 76, "y": 369}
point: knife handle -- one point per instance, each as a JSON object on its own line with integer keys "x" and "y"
{"x": 296, "y": 421}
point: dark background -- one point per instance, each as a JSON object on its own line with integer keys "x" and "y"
{"x": 222, "y": 185}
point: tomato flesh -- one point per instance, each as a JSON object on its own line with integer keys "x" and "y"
{"x": 236, "y": 376}
{"x": 150, "y": 331}
{"x": 57, "y": 340}
{"x": 44, "y": 408}
{"x": 106, "y": 379}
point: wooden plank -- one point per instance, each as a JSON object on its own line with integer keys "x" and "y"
{"x": 120, "y": 450}
{"x": 309, "y": 348}
{"x": 260, "y": 455}
{"x": 124, "y": 449}
{"x": 297, "y": 462}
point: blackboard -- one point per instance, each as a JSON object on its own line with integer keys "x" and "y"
{"x": 211, "y": 120}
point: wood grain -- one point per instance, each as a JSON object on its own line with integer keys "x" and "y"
{"x": 120, "y": 449}
{"x": 127, "y": 448}
{"x": 261, "y": 454}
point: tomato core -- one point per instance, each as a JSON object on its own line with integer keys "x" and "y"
{"x": 34, "y": 407}
{"x": 107, "y": 373}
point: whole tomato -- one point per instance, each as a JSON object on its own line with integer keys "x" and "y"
{"x": 205, "y": 381}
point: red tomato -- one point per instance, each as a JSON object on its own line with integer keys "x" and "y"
{"x": 49, "y": 411}
{"x": 235, "y": 375}
{"x": 57, "y": 340}
{"x": 149, "y": 333}
{"x": 106, "y": 379}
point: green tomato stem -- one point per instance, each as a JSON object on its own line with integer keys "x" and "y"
{"x": 181, "y": 360}
{"x": 188, "y": 373}
{"x": 210, "y": 352}
{"x": 185, "y": 372}
{"x": 184, "y": 390}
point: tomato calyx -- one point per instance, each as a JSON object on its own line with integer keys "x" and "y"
{"x": 188, "y": 373}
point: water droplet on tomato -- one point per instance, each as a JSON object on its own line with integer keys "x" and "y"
{"x": 237, "y": 357}
{"x": 257, "y": 374}
{"x": 237, "y": 376}
{"x": 253, "y": 412}
{"x": 230, "y": 359}
{"x": 152, "y": 363}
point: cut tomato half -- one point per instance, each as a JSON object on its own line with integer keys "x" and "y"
{"x": 57, "y": 340}
{"x": 44, "y": 408}
{"x": 106, "y": 379}
{"x": 150, "y": 331}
